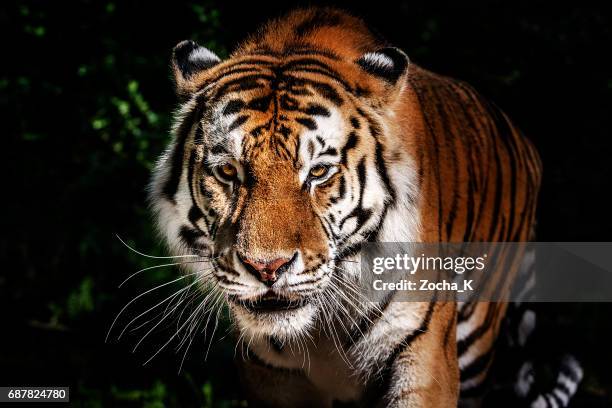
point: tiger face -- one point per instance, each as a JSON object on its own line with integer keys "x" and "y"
{"x": 278, "y": 173}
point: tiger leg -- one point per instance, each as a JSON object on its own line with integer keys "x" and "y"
{"x": 425, "y": 372}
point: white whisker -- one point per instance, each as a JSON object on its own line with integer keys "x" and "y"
{"x": 155, "y": 307}
{"x": 141, "y": 295}
{"x": 161, "y": 266}
{"x": 154, "y": 256}
{"x": 170, "y": 339}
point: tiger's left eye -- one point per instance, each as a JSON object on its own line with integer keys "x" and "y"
{"x": 318, "y": 171}
{"x": 226, "y": 172}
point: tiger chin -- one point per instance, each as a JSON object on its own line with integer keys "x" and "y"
{"x": 312, "y": 138}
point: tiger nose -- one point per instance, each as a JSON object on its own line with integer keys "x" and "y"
{"x": 267, "y": 271}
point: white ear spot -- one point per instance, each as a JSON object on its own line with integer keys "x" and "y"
{"x": 189, "y": 58}
{"x": 388, "y": 64}
{"x": 203, "y": 55}
{"x": 381, "y": 60}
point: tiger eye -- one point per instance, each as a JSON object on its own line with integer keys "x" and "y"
{"x": 229, "y": 171}
{"x": 318, "y": 171}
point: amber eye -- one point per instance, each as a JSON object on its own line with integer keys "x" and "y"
{"x": 227, "y": 172}
{"x": 318, "y": 171}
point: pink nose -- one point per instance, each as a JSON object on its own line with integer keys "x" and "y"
{"x": 266, "y": 271}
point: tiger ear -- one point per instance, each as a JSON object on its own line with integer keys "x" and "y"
{"x": 189, "y": 59}
{"x": 389, "y": 64}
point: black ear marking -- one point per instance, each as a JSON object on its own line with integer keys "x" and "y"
{"x": 189, "y": 58}
{"x": 388, "y": 63}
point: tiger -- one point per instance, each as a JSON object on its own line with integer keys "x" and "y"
{"x": 314, "y": 137}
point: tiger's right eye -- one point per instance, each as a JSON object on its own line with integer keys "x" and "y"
{"x": 318, "y": 171}
{"x": 226, "y": 172}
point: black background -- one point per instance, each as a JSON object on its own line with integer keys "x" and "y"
{"x": 75, "y": 166}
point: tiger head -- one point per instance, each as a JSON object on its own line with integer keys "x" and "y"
{"x": 279, "y": 168}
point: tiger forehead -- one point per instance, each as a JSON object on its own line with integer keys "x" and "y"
{"x": 272, "y": 112}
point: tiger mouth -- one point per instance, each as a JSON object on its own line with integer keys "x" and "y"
{"x": 271, "y": 303}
